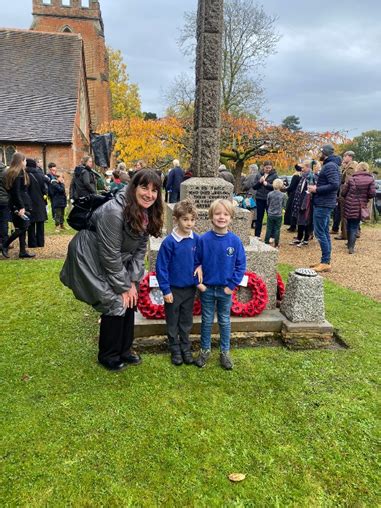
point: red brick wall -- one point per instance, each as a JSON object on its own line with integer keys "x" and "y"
{"x": 88, "y": 23}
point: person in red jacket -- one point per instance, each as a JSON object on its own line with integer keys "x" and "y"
{"x": 357, "y": 191}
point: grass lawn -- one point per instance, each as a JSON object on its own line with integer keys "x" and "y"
{"x": 301, "y": 425}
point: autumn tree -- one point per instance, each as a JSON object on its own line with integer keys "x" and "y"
{"x": 249, "y": 37}
{"x": 291, "y": 123}
{"x": 124, "y": 95}
{"x": 180, "y": 97}
{"x": 157, "y": 141}
{"x": 367, "y": 147}
{"x": 245, "y": 140}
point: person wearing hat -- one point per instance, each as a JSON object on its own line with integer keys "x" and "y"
{"x": 348, "y": 168}
{"x": 226, "y": 174}
{"x": 325, "y": 194}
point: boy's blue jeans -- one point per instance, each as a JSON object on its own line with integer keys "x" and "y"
{"x": 212, "y": 297}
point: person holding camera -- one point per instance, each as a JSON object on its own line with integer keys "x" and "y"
{"x": 17, "y": 183}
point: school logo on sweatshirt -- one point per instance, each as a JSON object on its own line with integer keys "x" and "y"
{"x": 230, "y": 251}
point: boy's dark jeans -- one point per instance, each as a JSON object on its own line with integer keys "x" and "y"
{"x": 59, "y": 216}
{"x": 273, "y": 229}
{"x": 179, "y": 317}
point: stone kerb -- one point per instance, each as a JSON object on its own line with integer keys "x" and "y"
{"x": 304, "y": 299}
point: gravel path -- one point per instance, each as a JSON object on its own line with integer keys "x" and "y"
{"x": 360, "y": 271}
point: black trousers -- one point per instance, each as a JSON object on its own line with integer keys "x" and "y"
{"x": 261, "y": 209}
{"x": 36, "y": 234}
{"x": 179, "y": 317}
{"x": 116, "y": 336}
{"x": 304, "y": 233}
{"x": 21, "y": 227}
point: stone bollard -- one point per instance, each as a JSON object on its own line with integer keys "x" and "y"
{"x": 303, "y": 306}
{"x": 304, "y": 297}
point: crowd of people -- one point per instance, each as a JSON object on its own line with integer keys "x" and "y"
{"x": 105, "y": 261}
{"x": 331, "y": 188}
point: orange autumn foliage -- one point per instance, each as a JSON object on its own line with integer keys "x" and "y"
{"x": 155, "y": 141}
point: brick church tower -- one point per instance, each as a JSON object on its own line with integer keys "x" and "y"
{"x": 83, "y": 17}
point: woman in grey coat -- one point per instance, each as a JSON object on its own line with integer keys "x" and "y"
{"x": 105, "y": 263}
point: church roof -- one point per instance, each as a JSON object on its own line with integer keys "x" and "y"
{"x": 39, "y": 85}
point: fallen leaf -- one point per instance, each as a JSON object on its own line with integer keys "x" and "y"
{"x": 25, "y": 378}
{"x": 237, "y": 477}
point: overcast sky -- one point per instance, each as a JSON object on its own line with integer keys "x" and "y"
{"x": 327, "y": 70}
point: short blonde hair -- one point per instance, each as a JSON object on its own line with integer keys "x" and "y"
{"x": 362, "y": 166}
{"x": 176, "y": 163}
{"x": 226, "y": 203}
{"x": 278, "y": 184}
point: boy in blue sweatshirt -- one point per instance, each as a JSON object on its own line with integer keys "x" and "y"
{"x": 175, "y": 274}
{"x": 223, "y": 260}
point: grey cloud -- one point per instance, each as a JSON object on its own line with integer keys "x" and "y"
{"x": 327, "y": 69}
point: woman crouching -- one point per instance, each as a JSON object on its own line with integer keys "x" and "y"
{"x": 105, "y": 264}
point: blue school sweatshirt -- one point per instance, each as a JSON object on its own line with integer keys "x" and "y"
{"x": 175, "y": 262}
{"x": 223, "y": 259}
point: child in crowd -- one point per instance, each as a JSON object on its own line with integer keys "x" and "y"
{"x": 59, "y": 200}
{"x": 276, "y": 201}
{"x": 223, "y": 260}
{"x": 175, "y": 274}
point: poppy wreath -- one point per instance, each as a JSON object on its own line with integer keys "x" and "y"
{"x": 151, "y": 310}
{"x": 259, "y": 298}
{"x": 279, "y": 288}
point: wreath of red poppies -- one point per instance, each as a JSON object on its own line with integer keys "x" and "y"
{"x": 258, "y": 301}
{"x": 255, "y": 306}
{"x": 152, "y": 310}
{"x": 280, "y": 290}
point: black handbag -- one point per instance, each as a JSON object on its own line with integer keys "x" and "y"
{"x": 83, "y": 208}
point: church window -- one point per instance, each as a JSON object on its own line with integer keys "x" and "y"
{"x": 47, "y": 2}
{"x": 8, "y": 151}
{"x": 85, "y": 3}
{"x": 67, "y": 29}
{"x": 66, "y": 3}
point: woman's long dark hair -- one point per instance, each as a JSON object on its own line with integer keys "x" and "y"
{"x": 133, "y": 213}
{"x": 15, "y": 168}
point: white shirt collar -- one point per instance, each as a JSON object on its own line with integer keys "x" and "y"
{"x": 178, "y": 238}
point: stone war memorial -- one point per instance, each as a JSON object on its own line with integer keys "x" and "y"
{"x": 300, "y": 321}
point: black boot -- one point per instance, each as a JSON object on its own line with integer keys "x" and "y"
{"x": 4, "y": 251}
{"x": 23, "y": 252}
{"x": 10, "y": 240}
{"x": 176, "y": 357}
{"x": 127, "y": 355}
{"x": 351, "y": 241}
{"x": 110, "y": 342}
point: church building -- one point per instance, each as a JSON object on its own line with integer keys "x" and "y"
{"x": 54, "y": 87}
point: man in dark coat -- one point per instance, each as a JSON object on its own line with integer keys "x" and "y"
{"x": 37, "y": 190}
{"x": 175, "y": 178}
{"x": 325, "y": 195}
{"x": 263, "y": 186}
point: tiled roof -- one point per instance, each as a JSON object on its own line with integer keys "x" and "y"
{"x": 39, "y": 80}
